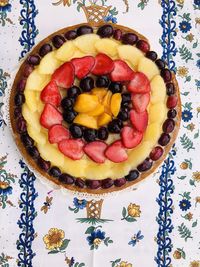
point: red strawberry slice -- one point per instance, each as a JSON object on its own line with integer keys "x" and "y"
{"x": 58, "y": 133}
{"x": 50, "y": 116}
{"x": 122, "y": 72}
{"x": 139, "y": 120}
{"x": 72, "y": 148}
{"x": 64, "y": 75}
{"x": 130, "y": 137}
{"x": 140, "y": 101}
{"x": 116, "y": 152}
{"x": 50, "y": 94}
{"x": 103, "y": 65}
{"x": 83, "y": 66}
{"x": 95, "y": 150}
{"x": 139, "y": 84}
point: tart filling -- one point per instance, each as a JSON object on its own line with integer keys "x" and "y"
{"x": 95, "y": 106}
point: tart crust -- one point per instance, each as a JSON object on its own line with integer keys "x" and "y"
{"x": 34, "y": 165}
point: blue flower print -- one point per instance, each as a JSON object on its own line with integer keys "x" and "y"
{"x": 96, "y": 237}
{"x": 5, "y": 6}
{"x": 5, "y": 189}
{"x": 80, "y": 203}
{"x": 187, "y": 115}
{"x": 184, "y": 204}
{"x": 198, "y": 63}
{"x": 110, "y": 18}
{"x": 185, "y": 26}
{"x": 136, "y": 238}
{"x": 197, "y": 2}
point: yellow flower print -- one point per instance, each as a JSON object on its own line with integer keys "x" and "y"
{"x": 4, "y": 2}
{"x": 190, "y": 37}
{"x": 54, "y": 238}
{"x": 124, "y": 264}
{"x": 134, "y": 210}
{"x": 181, "y": 2}
{"x": 197, "y": 21}
{"x": 177, "y": 255}
{"x": 196, "y": 176}
{"x": 195, "y": 264}
{"x": 182, "y": 72}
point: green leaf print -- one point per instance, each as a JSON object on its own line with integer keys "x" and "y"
{"x": 194, "y": 224}
{"x": 184, "y": 232}
{"x": 185, "y": 53}
{"x": 186, "y": 143}
{"x": 90, "y": 230}
{"x": 65, "y": 244}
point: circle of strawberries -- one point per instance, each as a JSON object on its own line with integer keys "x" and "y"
{"x": 131, "y": 135}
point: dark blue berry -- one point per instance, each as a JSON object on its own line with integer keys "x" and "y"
{"x": 87, "y": 84}
{"x": 151, "y": 55}
{"x": 33, "y": 152}
{"x": 115, "y": 87}
{"x": 71, "y": 35}
{"x": 170, "y": 89}
{"x": 160, "y": 63}
{"x": 69, "y": 116}
{"x": 145, "y": 165}
{"x": 55, "y": 172}
{"x": 73, "y": 92}
{"x": 27, "y": 140}
{"x": 90, "y": 135}
{"x": 67, "y": 103}
{"x": 102, "y": 81}
{"x": 115, "y": 126}
{"x": 66, "y": 179}
{"x": 85, "y": 29}
{"x": 105, "y": 31}
{"x": 133, "y": 175}
{"x": 103, "y": 133}
{"x": 76, "y": 130}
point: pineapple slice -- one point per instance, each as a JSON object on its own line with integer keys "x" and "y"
{"x": 66, "y": 51}
{"x": 77, "y": 54}
{"x": 152, "y": 133}
{"x": 148, "y": 67}
{"x": 37, "y": 81}
{"x": 158, "y": 89}
{"x": 86, "y": 103}
{"x": 157, "y": 112}
{"x": 38, "y": 137}
{"x": 86, "y": 43}
{"x": 31, "y": 100}
{"x": 107, "y": 46}
{"x": 98, "y": 171}
{"x": 51, "y": 153}
{"x": 49, "y": 63}
{"x": 32, "y": 118}
{"x": 74, "y": 167}
{"x": 130, "y": 53}
{"x": 86, "y": 120}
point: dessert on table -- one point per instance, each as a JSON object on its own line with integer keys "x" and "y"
{"x": 94, "y": 109}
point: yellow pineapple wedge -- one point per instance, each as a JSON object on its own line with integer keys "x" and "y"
{"x": 51, "y": 153}
{"x": 74, "y": 167}
{"x": 152, "y": 133}
{"x": 37, "y": 81}
{"x": 157, "y": 112}
{"x": 49, "y": 63}
{"x": 148, "y": 67}
{"x": 98, "y": 171}
{"x": 33, "y": 118}
{"x": 66, "y": 51}
{"x": 31, "y": 100}
{"x": 130, "y": 53}
{"x": 107, "y": 46}
{"x": 38, "y": 137}
{"x": 158, "y": 89}
{"x": 86, "y": 43}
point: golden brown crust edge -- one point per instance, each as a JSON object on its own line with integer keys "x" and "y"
{"x": 34, "y": 165}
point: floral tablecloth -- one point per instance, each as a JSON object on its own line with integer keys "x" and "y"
{"x": 155, "y": 224}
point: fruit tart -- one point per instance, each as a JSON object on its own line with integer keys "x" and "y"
{"x": 93, "y": 109}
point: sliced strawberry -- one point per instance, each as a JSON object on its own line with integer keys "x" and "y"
{"x": 130, "y": 137}
{"x": 58, "y": 133}
{"x": 64, "y": 75}
{"x": 103, "y": 65}
{"x": 83, "y": 66}
{"x": 95, "y": 150}
{"x": 122, "y": 72}
{"x": 72, "y": 148}
{"x": 139, "y": 84}
{"x": 140, "y": 101}
{"x": 50, "y": 116}
{"x": 139, "y": 120}
{"x": 50, "y": 94}
{"x": 116, "y": 152}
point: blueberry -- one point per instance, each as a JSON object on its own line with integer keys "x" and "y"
{"x": 90, "y": 135}
{"x": 71, "y": 35}
{"x": 21, "y": 85}
{"x": 123, "y": 115}
{"x": 102, "y": 81}
{"x": 126, "y": 97}
{"x": 33, "y": 152}
{"x": 43, "y": 164}
{"x": 93, "y": 184}
{"x": 84, "y": 30}
{"x": 21, "y": 125}
{"x": 115, "y": 87}
{"x": 76, "y": 131}
{"x": 55, "y": 172}
{"x": 27, "y": 140}
{"x": 87, "y": 84}
{"x": 73, "y": 92}
{"x": 45, "y": 49}
{"x": 66, "y": 178}
{"x": 115, "y": 126}
{"x": 145, "y": 165}
{"x": 19, "y": 99}
{"x": 80, "y": 183}
{"x": 133, "y": 175}
{"x": 33, "y": 60}
{"x": 103, "y": 133}
{"x": 67, "y": 103}
{"x": 69, "y": 116}
{"x": 107, "y": 183}
{"x": 151, "y": 55}
{"x": 105, "y": 31}
{"x": 129, "y": 38}
{"x": 58, "y": 41}
{"x": 164, "y": 139}
{"x": 18, "y": 112}
{"x": 170, "y": 89}
{"x": 171, "y": 113}
{"x": 160, "y": 63}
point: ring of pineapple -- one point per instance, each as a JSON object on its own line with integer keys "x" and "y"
{"x": 91, "y": 44}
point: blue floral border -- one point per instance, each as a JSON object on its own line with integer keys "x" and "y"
{"x": 164, "y": 199}
{"x": 28, "y": 195}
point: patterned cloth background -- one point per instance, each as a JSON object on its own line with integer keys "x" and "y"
{"x": 156, "y": 224}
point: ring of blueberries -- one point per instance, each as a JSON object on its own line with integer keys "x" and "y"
{"x": 86, "y": 84}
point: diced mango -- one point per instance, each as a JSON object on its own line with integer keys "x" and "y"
{"x": 38, "y": 137}
{"x": 106, "y": 101}
{"x": 86, "y": 103}
{"x": 86, "y": 120}
{"x": 115, "y": 104}
{"x": 152, "y": 133}
{"x": 104, "y": 119}
{"x": 66, "y": 51}
{"x": 49, "y": 63}
{"x": 86, "y": 43}
{"x": 97, "y": 111}
{"x": 51, "y": 153}
{"x": 148, "y": 67}
{"x": 107, "y": 46}
{"x": 37, "y": 81}
{"x": 100, "y": 92}
{"x": 130, "y": 53}
{"x": 33, "y": 118}
{"x": 158, "y": 89}
{"x": 31, "y": 100}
